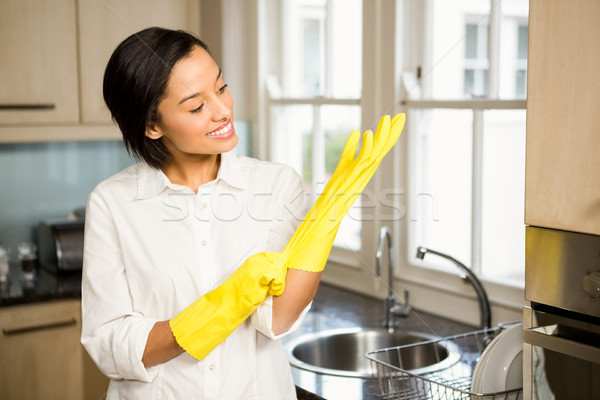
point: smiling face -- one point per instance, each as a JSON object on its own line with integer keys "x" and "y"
{"x": 196, "y": 112}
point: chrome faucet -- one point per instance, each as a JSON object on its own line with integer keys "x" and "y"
{"x": 485, "y": 314}
{"x": 392, "y": 308}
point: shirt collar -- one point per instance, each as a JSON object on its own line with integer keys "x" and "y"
{"x": 231, "y": 171}
{"x": 152, "y": 181}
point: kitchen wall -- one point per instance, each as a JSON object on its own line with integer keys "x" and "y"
{"x": 48, "y": 180}
{"x": 42, "y": 181}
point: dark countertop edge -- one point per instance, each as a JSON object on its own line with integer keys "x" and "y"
{"x": 9, "y": 302}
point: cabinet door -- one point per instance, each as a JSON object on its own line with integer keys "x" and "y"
{"x": 104, "y": 24}
{"x": 38, "y": 69}
{"x": 41, "y": 351}
{"x": 563, "y": 118}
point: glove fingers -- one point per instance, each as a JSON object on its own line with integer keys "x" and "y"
{"x": 397, "y": 127}
{"x": 366, "y": 151}
{"x": 382, "y": 134}
{"x": 351, "y": 145}
{"x": 347, "y": 158}
{"x": 392, "y": 135}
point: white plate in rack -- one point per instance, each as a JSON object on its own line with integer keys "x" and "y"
{"x": 500, "y": 366}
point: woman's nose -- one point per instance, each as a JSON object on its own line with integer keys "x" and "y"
{"x": 220, "y": 109}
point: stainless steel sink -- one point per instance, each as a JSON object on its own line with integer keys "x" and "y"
{"x": 342, "y": 351}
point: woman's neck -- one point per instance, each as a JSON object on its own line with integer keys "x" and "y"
{"x": 193, "y": 172}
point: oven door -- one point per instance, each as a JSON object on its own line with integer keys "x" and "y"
{"x": 561, "y": 356}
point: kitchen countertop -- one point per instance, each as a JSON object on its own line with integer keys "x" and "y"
{"x": 335, "y": 308}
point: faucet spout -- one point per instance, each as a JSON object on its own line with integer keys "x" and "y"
{"x": 392, "y": 308}
{"x": 485, "y": 314}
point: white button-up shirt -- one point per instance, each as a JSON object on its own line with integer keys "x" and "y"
{"x": 153, "y": 247}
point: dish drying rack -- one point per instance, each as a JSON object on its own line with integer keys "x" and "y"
{"x": 449, "y": 379}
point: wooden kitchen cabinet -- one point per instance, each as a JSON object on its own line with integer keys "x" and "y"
{"x": 54, "y": 56}
{"x": 104, "y": 24}
{"x": 42, "y": 356}
{"x": 563, "y": 122}
{"x": 38, "y": 71}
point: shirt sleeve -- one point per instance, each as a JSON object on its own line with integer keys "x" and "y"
{"x": 294, "y": 209}
{"x": 113, "y": 334}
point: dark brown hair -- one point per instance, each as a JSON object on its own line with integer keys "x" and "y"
{"x": 135, "y": 81}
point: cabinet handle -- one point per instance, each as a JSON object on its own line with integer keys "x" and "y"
{"x": 23, "y": 329}
{"x": 27, "y": 106}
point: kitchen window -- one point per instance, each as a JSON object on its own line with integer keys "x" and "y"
{"x": 455, "y": 181}
{"x": 467, "y": 137}
{"x": 313, "y": 93}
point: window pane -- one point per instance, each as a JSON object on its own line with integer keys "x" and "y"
{"x": 459, "y": 42}
{"x": 323, "y": 49}
{"x": 290, "y": 142}
{"x": 344, "y": 53}
{"x": 294, "y": 145}
{"x": 337, "y": 124}
{"x": 513, "y": 49}
{"x": 312, "y": 57}
{"x": 503, "y": 230}
{"x": 321, "y": 56}
{"x": 441, "y": 211}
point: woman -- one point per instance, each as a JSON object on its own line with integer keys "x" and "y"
{"x": 195, "y": 260}
{"x": 162, "y": 233}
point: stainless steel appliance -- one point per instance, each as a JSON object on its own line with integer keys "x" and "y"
{"x": 561, "y": 349}
{"x": 60, "y": 245}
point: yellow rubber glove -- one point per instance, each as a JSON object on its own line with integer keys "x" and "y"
{"x": 309, "y": 248}
{"x": 208, "y": 321}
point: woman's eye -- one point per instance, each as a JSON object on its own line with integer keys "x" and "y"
{"x": 196, "y": 110}
{"x": 222, "y": 89}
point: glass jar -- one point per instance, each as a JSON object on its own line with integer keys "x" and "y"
{"x": 28, "y": 257}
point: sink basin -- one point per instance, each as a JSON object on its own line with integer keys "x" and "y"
{"x": 342, "y": 352}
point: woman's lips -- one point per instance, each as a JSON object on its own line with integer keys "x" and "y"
{"x": 223, "y": 132}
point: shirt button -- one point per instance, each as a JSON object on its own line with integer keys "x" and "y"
{"x": 211, "y": 367}
{"x": 210, "y": 283}
{"x": 204, "y": 205}
{"x": 204, "y": 243}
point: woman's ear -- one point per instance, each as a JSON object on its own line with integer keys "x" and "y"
{"x": 153, "y": 131}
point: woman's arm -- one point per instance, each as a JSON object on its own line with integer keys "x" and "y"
{"x": 161, "y": 345}
{"x": 300, "y": 289}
